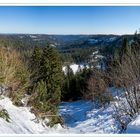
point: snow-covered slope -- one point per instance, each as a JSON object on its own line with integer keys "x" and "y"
{"x": 85, "y": 117}
{"x": 22, "y": 121}
{"x": 80, "y": 117}
{"x": 134, "y": 126}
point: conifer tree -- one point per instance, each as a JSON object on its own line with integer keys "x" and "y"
{"x": 46, "y": 83}
{"x": 122, "y": 52}
{"x": 136, "y": 43}
{"x": 75, "y": 84}
{"x": 69, "y": 72}
{"x": 34, "y": 64}
{"x": 51, "y": 73}
{"x": 66, "y": 89}
{"x": 35, "y": 58}
{"x": 125, "y": 49}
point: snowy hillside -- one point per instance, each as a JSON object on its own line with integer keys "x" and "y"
{"x": 22, "y": 121}
{"x": 85, "y": 117}
{"x": 80, "y": 117}
{"x": 134, "y": 126}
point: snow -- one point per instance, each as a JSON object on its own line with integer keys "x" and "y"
{"x": 92, "y": 41}
{"x": 104, "y": 39}
{"x": 85, "y": 117}
{"x": 80, "y": 117}
{"x": 3, "y": 88}
{"x": 33, "y": 36}
{"x": 112, "y": 39}
{"x": 74, "y": 111}
{"x": 134, "y": 126}
{"x": 22, "y": 121}
{"x": 99, "y": 56}
{"x": 95, "y": 52}
{"x": 74, "y": 67}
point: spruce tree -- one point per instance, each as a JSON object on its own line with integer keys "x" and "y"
{"x": 34, "y": 63}
{"x": 122, "y": 52}
{"x": 69, "y": 72}
{"x": 135, "y": 46}
{"x": 75, "y": 84}
{"x": 35, "y": 58}
{"x": 51, "y": 73}
{"x": 66, "y": 89}
{"x": 125, "y": 47}
{"x": 46, "y": 86}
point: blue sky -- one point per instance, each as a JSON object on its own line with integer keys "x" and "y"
{"x": 70, "y": 19}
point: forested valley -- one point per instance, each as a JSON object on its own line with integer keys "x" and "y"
{"x": 70, "y": 83}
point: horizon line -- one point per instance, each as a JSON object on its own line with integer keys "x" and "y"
{"x": 66, "y": 34}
